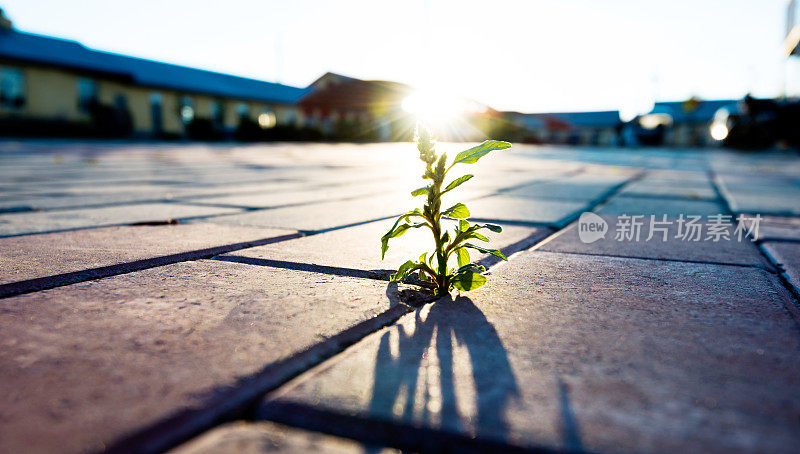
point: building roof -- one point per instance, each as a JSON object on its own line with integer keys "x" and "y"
{"x": 45, "y": 50}
{"x": 692, "y": 110}
{"x": 567, "y": 120}
{"x": 341, "y": 93}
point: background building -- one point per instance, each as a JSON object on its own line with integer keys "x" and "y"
{"x": 59, "y": 87}
{"x": 577, "y": 128}
{"x": 353, "y": 109}
{"x": 681, "y": 123}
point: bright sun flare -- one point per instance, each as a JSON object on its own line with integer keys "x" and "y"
{"x": 432, "y": 107}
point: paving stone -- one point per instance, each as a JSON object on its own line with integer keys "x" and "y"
{"x": 46, "y": 221}
{"x": 676, "y": 188}
{"x": 786, "y": 255}
{"x": 673, "y": 176}
{"x": 622, "y": 204}
{"x": 777, "y": 204}
{"x": 323, "y": 215}
{"x": 36, "y": 256}
{"x": 778, "y": 228}
{"x": 86, "y": 364}
{"x": 620, "y": 240}
{"x": 573, "y": 352}
{"x": 579, "y": 188}
{"x": 760, "y": 194}
{"x": 521, "y": 209}
{"x": 39, "y": 202}
{"x": 263, "y": 437}
{"x": 360, "y": 247}
{"x": 304, "y": 195}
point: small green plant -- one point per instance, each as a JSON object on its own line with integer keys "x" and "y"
{"x": 467, "y": 276}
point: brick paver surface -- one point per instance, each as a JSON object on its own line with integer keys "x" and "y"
{"x": 157, "y": 296}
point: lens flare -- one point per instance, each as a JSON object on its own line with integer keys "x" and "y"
{"x": 719, "y": 131}
{"x": 432, "y": 107}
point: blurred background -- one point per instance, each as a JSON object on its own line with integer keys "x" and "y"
{"x": 615, "y": 73}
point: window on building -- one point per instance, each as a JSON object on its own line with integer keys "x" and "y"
{"x": 218, "y": 114}
{"x": 120, "y": 102}
{"x": 87, "y": 94}
{"x": 12, "y": 88}
{"x": 243, "y": 109}
{"x": 186, "y": 109}
{"x": 155, "y": 113}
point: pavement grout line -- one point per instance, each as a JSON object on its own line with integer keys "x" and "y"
{"x": 121, "y": 224}
{"x": 245, "y": 209}
{"x": 59, "y": 280}
{"x": 767, "y": 266}
{"x": 270, "y": 207}
{"x": 793, "y": 306}
{"x": 374, "y": 431}
{"x": 767, "y": 239}
{"x": 303, "y": 417}
{"x": 344, "y": 226}
{"x": 377, "y": 274}
{"x": 764, "y": 267}
{"x": 667, "y": 197}
{"x": 380, "y": 275}
{"x": 235, "y": 403}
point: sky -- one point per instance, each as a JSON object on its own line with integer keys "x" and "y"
{"x": 524, "y": 55}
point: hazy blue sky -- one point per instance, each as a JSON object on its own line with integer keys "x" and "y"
{"x": 535, "y": 55}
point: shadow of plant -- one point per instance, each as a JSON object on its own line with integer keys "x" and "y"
{"x": 449, "y": 371}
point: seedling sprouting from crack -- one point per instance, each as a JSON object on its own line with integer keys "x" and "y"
{"x": 438, "y": 275}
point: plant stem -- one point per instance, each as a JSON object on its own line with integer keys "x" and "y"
{"x": 435, "y": 195}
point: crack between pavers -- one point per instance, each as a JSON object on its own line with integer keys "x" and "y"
{"x": 767, "y": 239}
{"x": 380, "y": 275}
{"x": 60, "y": 280}
{"x": 246, "y": 209}
{"x": 185, "y": 200}
{"x": 469, "y": 443}
{"x": 765, "y": 265}
{"x": 678, "y": 198}
{"x": 760, "y": 266}
{"x": 384, "y": 433}
{"x": 196, "y": 200}
{"x": 231, "y": 404}
{"x": 792, "y": 303}
{"x": 235, "y": 403}
{"x": 177, "y": 220}
{"x": 376, "y": 274}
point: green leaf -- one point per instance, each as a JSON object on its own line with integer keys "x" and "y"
{"x": 422, "y": 258}
{"x": 402, "y": 271}
{"x": 463, "y": 256}
{"x": 478, "y": 236}
{"x": 468, "y": 280}
{"x": 494, "y": 252}
{"x": 472, "y": 155}
{"x": 385, "y": 238}
{"x": 457, "y": 211}
{"x": 463, "y": 225}
{"x": 457, "y": 182}
{"x": 472, "y": 267}
{"x": 392, "y": 232}
{"x": 492, "y": 227}
{"x": 420, "y": 191}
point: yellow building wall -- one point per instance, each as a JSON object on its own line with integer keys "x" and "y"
{"x": 52, "y": 93}
{"x": 49, "y": 93}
